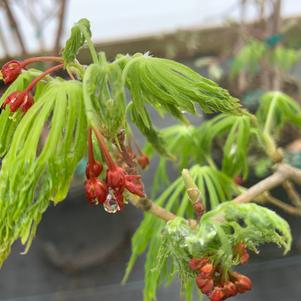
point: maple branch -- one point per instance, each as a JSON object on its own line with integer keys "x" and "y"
{"x": 283, "y": 173}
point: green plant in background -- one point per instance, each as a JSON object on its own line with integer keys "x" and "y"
{"x": 201, "y": 225}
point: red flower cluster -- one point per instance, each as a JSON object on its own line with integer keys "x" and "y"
{"x": 110, "y": 191}
{"x": 143, "y": 160}
{"x": 213, "y": 283}
{"x": 23, "y": 100}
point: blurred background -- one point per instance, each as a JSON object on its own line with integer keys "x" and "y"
{"x": 80, "y": 253}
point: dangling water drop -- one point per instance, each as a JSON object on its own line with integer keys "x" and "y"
{"x": 111, "y": 205}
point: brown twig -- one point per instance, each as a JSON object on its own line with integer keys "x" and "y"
{"x": 292, "y": 193}
{"x": 61, "y": 17}
{"x": 282, "y": 205}
{"x": 146, "y": 205}
{"x": 14, "y": 24}
{"x": 283, "y": 173}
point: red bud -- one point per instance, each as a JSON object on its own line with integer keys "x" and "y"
{"x": 10, "y": 71}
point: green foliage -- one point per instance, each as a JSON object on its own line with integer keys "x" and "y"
{"x": 283, "y": 109}
{"x": 9, "y": 121}
{"x": 218, "y": 232}
{"x": 79, "y": 33}
{"x": 172, "y": 87}
{"x": 42, "y": 170}
{"x": 285, "y": 58}
{"x": 238, "y": 130}
{"x": 104, "y": 97}
{"x": 215, "y": 188}
{"x": 248, "y": 58}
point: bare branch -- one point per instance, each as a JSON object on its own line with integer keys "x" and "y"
{"x": 292, "y": 193}
{"x": 61, "y": 18}
{"x": 14, "y": 24}
{"x": 283, "y": 173}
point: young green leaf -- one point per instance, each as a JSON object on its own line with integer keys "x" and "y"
{"x": 77, "y": 40}
{"x": 248, "y": 58}
{"x": 281, "y": 108}
{"x": 104, "y": 97}
{"x": 171, "y": 87}
{"x": 39, "y": 168}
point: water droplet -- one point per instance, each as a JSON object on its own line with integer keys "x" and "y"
{"x": 111, "y": 204}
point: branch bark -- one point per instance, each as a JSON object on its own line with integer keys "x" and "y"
{"x": 14, "y": 24}
{"x": 61, "y": 19}
{"x": 283, "y": 173}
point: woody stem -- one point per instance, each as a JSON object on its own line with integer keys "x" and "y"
{"x": 42, "y": 75}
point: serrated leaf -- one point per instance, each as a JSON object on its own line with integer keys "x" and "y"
{"x": 76, "y": 40}
{"x": 39, "y": 168}
{"x": 172, "y": 87}
{"x": 285, "y": 109}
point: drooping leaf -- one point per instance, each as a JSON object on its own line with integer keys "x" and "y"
{"x": 38, "y": 168}
{"x": 284, "y": 110}
{"x": 77, "y": 40}
{"x": 235, "y": 132}
{"x": 172, "y": 87}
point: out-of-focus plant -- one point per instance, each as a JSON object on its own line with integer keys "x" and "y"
{"x": 202, "y": 224}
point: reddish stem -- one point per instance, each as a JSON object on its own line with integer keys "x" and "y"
{"x": 42, "y": 59}
{"x": 42, "y": 75}
{"x": 109, "y": 161}
{"x": 91, "y": 159}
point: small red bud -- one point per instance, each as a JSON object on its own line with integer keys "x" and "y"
{"x": 217, "y": 294}
{"x": 116, "y": 178}
{"x": 18, "y": 99}
{"x": 96, "y": 191}
{"x": 207, "y": 270}
{"x": 197, "y": 263}
{"x": 238, "y": 180}
{"x": 10, "y": 71}
{"x": 93, "y": 170}
{"x": 242, "y": 282}
{"x": 143, "y": 161}
{"x": 229, "y": 289}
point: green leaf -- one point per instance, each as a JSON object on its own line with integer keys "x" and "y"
{"x": 248, "y": 58}
{"x": 284, "y": 58}
{"x": 221, "y": 229}
{"x": 172, "y": 87}
{"x": 39, "y": 168}
{"x": 77, "y": 40}
{"x": 285, "y": 110}
{"x": 147, "y": 237}
{"x": 104, "y": 97}
{"x": 236, "y": 132}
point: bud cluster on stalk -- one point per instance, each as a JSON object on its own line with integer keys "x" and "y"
{"x": 23, "y": 100}
{"x": 218, "y": 284}
{"x": 110, "y": 190}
